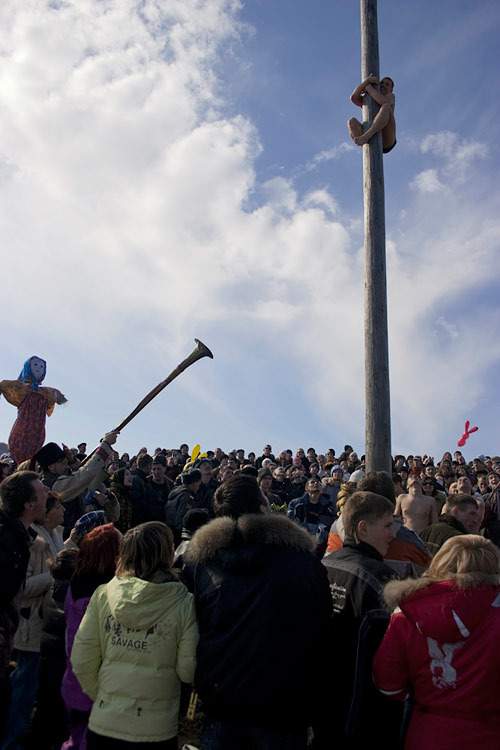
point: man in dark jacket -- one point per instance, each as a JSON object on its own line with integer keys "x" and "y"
{"x": 313, "y": 510}
{"x": 460, "y": 517}
{"x": 279, "y": 484}
{"x": 158, "y": 488}
{"x": 23, "y": 501}
{"x": 267, "y": 453}
{"x": 208, "y": 485}
{"x": 357, "y": 574}
{"x": 492, "y": 500}
{"x": 182, "y": 499}
{"x": 296, "y": 485}
{"x": 139, "y": 496}
{"x": 261, "y": 597}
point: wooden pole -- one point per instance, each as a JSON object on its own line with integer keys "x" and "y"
{"x": 377, "y": 397}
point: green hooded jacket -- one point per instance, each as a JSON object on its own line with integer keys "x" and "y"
{"x": 136, "y": 643}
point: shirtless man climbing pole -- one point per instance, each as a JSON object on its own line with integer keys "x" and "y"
{"x": 418, "y": 510}
{"x": 383, "y": 120}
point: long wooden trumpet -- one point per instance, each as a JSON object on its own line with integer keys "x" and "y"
{"x": 199, "y": 351}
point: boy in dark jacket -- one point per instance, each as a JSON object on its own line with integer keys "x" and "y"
{"x": 357, "y": 574}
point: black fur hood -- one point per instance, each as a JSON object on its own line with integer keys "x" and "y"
{"x": 246, "y": 540}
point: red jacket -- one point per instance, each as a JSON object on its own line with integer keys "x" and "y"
{"x": 444, "y": 648}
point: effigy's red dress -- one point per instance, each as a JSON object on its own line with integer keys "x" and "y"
{"x": 27, "y": 435}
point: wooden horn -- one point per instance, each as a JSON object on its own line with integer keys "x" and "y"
{"x": 199, "y": 351}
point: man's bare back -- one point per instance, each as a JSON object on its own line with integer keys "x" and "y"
{"x": 417, "y": 510}
{"x": 384, "y": 119}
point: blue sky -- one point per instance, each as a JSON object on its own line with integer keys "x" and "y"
{"x": 171, "y": 170}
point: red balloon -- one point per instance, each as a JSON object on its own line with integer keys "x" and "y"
{"x": 466, "y": 434}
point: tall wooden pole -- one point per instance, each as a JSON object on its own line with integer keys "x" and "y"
{"x": 377, "y": 397}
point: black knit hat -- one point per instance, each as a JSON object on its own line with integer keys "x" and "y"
{"x": 190, "y": 477}
{"x": 195, "y": 518}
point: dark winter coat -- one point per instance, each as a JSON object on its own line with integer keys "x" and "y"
{"x": 300, "y": 510}
{"x": 436, "y": 534}
{"x": 54, "y": 623}
{"x": 139, "y": 497}
{"x": 157, "y": 497}
{"x": 15, "y": 542}
{"x": 280, "y": 489}
{"x": 49, "y": 724}
{"x": 205, "y": 496}
{"x": 180, "y": 500}
{"x": 357, "y": 575}
{"x": 261, "y": 596}
{"x": 493, "y": 524}
{"x": 295, "y": 490}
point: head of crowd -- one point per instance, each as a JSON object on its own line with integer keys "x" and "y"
{"x": 231, "y": 552}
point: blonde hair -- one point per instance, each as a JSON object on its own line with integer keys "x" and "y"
{"x": 468, "y": 559}
{"x": 146, "y": 549}
{"x": 344, "y": 494}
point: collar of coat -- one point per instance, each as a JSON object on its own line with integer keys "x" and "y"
{"x": 225, "y": 533}
{"x": 450, "y": 520}
{"x": 25, "y": 534}
{"x": 362, "y": 548}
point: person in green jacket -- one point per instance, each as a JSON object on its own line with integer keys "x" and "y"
{"x": 136, "y": 644}
{"x": 460, "y": 516}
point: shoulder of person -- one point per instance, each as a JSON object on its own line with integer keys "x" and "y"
{"x": 252, "y": 529}
{"x": 39, "y": 544}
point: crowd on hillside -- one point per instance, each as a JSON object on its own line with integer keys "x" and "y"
{"x": 263, "y": 583}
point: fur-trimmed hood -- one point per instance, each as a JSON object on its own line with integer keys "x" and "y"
{"x": 243, "y": 541}
{"x": 396, "y": 591}
{"x": 444, "y": 610}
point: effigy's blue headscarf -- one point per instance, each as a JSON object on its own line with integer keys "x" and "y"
{"x": 26, "y": 375}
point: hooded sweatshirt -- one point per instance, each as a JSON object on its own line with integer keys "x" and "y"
{"x": 443, "y": 646}
{"x": 136, "y": 643}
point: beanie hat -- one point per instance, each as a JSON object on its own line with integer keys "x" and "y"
{"x": 190, "y": 477}
{"x": 195, "y": 518}
{"x": 357, "y": 476}
{"x": 88, "y": 522}
{"x": 263, "y": 473}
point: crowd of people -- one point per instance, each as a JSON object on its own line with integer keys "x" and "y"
{"x": 297, "y": 599}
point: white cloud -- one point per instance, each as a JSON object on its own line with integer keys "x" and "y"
{"x": 427, "y": 181}
{"x": 321, "y": 198}
{"x": 450, "y": 328}
{"x": 458, "y": 155}
{"x": 328, "y": 154}
{"x": 443, "y": 143}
